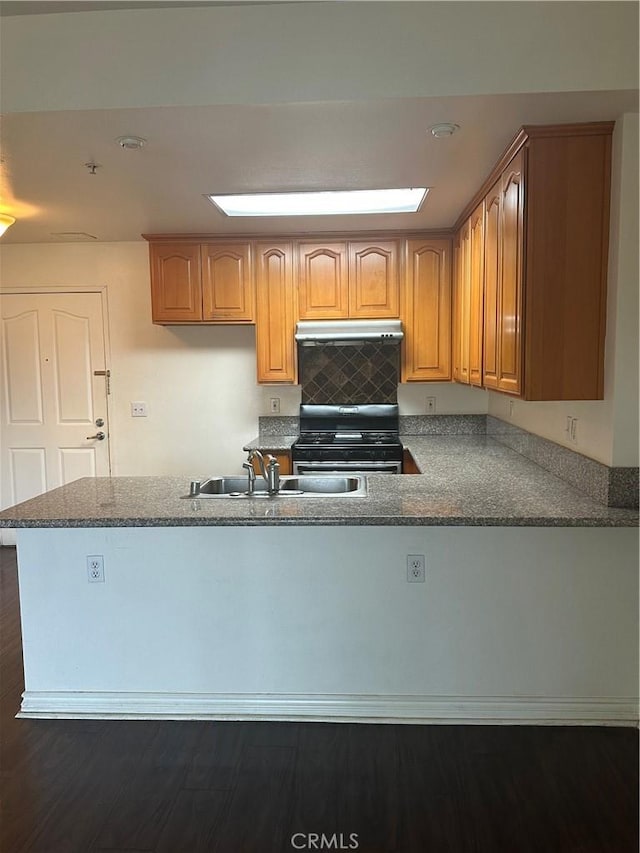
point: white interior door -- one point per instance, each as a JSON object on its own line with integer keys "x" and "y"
{"x": 52, "y": 344}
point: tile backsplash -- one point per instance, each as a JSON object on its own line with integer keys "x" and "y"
{"x": 356, "y": 373}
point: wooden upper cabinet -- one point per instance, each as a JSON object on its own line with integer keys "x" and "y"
{"x": 374, "y": 284}
{"x": 227, "y": 283}
{"x": 546, "y": 228}
{"x": 476, "y": 293}
{"x": 357, "y": 279}
{"x": 456, "y": 280}
{"x": 462, "y": 305}
{"x": 565, "y": 262}
{"x": 468, "y": 295}
{"x": 512, "y": 248}
{"x": 492, "y": 208}
{"x": 195, "y": 282}
{"x": 322, "y": 281}
{"x": 530, "y": 258}
{"x": 426, "y": 311}
{"x": 176, "y": 290}
{"x": 275, "y": 313}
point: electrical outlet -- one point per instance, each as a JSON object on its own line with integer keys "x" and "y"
{"x": 511, "y": 407}
{"x": 571, "y": 429}
{"x": 573, "y": 432}
{"x": 415, "y": 568}
{"x": 95, "y": 568}
{"x": 274, "y": 405}
{"x": 138, "y": 409}
{"x": 431, "y": 405}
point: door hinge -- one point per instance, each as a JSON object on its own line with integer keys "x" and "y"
{"x": 107, "y": 375}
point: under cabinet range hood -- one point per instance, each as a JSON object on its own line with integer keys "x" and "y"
{"x": 312, "y": 332}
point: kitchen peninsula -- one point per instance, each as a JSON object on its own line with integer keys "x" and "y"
{"x": 287, "y": 608}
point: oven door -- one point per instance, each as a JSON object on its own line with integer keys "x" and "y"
{"x": 352, "y": 467}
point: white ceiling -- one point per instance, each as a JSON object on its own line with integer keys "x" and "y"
{"x": 11, "y": 8}
{"x": 222, "y": 149}
{"x": 240, "y": 99}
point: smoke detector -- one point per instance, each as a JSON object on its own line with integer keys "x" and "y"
{"x": 445, "y": 128}
{"x": 131, "y": 143}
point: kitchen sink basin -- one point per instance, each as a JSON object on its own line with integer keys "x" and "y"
{"x": 220, "y": 486}
{"x": 323, "y": 485}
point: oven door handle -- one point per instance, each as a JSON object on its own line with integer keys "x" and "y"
{"x": 381, "y": 467}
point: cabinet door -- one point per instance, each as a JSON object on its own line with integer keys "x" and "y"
{"x": 275, "y": 313}
{"x": 176, "y": 290}
{"x": 283, "y": 459}
{"x": 427, "y": 312}
{"x": 491, "y": 286}
{"x": 476, "y": 290}
{"x": 565, "y": 277}
{"x": 510, "y": 298}
{"x": 374, "y": 286}
{"x": 323, "y": 282}
{"x": 456, "y": 278}
{"x": 227, "y": 283}
{"x": 462, "y": 305}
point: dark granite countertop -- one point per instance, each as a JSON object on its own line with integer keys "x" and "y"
{"x": 280, "y": 443}
{"x": 465, "y": 481}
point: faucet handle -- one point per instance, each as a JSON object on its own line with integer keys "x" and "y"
{"x": 273, "y": 475}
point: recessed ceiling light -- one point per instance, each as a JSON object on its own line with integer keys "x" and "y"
{"x": 131, "y": 143}
{"x": 446, "y": 128}
{"x": 332, "y": 202}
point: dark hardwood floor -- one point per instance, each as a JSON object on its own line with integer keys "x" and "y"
{"x": 222, "y": 787}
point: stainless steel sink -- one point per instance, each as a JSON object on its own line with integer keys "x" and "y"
{"x": 323, "y": 485}
{"x": 220, "y": 486}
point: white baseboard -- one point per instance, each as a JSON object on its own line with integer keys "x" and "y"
{"x": 331, "y": 708}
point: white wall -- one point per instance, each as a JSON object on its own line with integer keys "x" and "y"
{"x": 199, "y": 383}
{"x": 451, "y": 398}
{"x": 511, "y": 622}
{"x": 624, "y": 275}
{"x": 311, "y": 51}
{"x": 607, "y": 429}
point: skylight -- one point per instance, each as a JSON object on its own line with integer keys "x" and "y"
{"x": 407, "y": 200}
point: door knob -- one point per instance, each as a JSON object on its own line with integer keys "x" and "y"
{"x": 99, "y": 435}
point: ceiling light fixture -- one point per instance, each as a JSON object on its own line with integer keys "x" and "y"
{"x": 332, "y": 202}
{"x": 446, "y": 128}
{"x": 131, "y": 143}
{"x": 6, "y": 221}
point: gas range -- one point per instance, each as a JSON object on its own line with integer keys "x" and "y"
{"x": 348, "y": 438}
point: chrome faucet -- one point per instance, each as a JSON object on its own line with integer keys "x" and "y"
{"x": 251, "y": 474}
{"x": 270, "y": 471}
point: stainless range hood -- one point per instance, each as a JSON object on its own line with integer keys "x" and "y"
{"x": 312, "y": 332}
